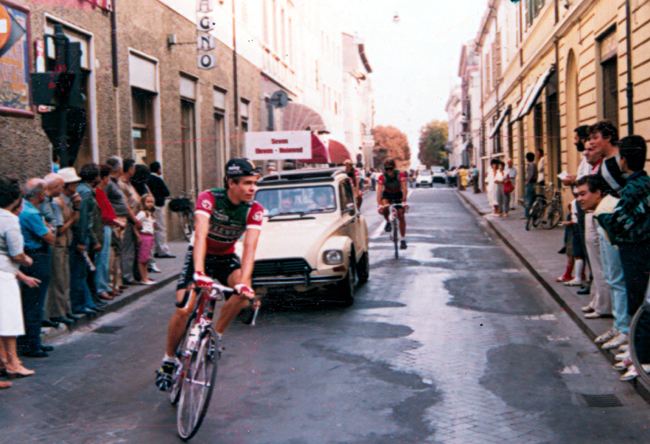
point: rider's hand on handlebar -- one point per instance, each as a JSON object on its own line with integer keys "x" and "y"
{"x": 247, "y": 292}
{"x": 203, "y": 281}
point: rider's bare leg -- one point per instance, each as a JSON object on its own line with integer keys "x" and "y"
{"x": 386, "y": 210}
{"x": 178, "y": 322}
{"x": 402, "y": 223}
{"x": 233, "y": 306}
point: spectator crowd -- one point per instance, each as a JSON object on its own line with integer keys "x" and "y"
{"x": 70, "y": 243}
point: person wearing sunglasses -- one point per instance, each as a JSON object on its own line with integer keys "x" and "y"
{"x": 392, "y": 189}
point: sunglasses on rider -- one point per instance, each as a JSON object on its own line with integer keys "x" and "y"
{"x": 389, "y": 169}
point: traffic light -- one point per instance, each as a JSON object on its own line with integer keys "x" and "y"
{"x": 66, "y": 123}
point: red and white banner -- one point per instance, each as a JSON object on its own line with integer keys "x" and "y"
{"x": 274, "y": 145}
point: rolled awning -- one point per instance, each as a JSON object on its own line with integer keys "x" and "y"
{"x": 319, "y": 153}
{"x": 534, "y": 94}
{"x": 338, "y": 152}
{"x": 497, "y": 127}
{"x": 299, "y": 117}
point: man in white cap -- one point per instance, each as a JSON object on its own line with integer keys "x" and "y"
{"x": 57, "y": 307}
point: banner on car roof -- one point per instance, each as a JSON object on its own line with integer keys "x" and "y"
{"x": 275, "y": 145}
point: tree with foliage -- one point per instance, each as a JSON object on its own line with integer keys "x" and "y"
{"x": 391, "y": 142}
{"x": 433, "y": 137}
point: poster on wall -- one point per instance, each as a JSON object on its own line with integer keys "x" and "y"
{"x": 14, "y": 59}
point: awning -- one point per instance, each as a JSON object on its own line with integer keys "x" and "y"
{"x": 338, "y": 152}
{"x": 298, "y": 117}
{"x": 449, "y": 146}
{"x": 496, "y": 128}
{"x": 318, "y": 151}
{"x": 534, "y": 94}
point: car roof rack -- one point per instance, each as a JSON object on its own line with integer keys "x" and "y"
{"x": 300, "y": 176}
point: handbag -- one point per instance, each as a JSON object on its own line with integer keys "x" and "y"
{"x": 508, "y": 186}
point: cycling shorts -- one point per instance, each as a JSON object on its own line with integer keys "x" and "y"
{"x": 218, "y": 268}
{"x": 393, "y": 197}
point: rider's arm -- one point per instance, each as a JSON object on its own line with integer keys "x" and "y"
{"x": 248, "y": 256}
{"x": 380, "y": 190}
{"x": 201, "y": 227}
{"x": 405, "y": 191}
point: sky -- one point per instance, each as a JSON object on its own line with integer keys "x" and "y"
{"x": 414, "y": 61}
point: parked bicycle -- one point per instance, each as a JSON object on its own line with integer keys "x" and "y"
{"x": 552, "y": 213}
{"x": 634, "y": 345}
{"x": 536, "y": 211}
{"x": 185, "y": 208}
{"x": 198, "y": 356}
{"x": 393, "y": 220}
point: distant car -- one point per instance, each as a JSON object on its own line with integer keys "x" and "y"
{"x": 313, "y": 237}
{"x": 425, "y": 179}
{"x": 439, "y": 174}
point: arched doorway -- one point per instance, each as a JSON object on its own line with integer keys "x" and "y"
{"x": 572, "y": 111}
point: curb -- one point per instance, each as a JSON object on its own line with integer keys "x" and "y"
{"x": 113, "y": 306}
{"x": 641, "y": 388}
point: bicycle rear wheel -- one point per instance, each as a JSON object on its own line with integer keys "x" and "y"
{"x": 537, "y": 212}
{"x": 554, "y": 216}
{"x": 183, "y": 356}
{"x": 396, "y": 237}
{"x": 197, "y": 386}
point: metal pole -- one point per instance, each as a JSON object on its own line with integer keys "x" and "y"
{"x": 630, "y": 84}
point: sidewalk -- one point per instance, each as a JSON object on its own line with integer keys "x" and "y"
{"x": 537, "y": 249}
{"x": 171, "y": 269}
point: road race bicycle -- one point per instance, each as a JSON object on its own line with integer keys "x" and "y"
{"x": 197, "y": 358}
{"x": 185, "y": 208}
{"x": 393, "y": 221}
{"x": 553, "y": 210}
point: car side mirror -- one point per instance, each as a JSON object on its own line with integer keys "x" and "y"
{"x": 350, "y": 208}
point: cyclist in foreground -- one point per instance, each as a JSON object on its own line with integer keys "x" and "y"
{"x": 222, "y": 216}
{"x": 392, "y": 188}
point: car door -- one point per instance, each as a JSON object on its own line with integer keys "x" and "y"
{"x": 350, "y": 218}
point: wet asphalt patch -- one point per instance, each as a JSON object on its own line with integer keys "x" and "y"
{"x": 408, "y": 413}
{"x": 494, "y": 293}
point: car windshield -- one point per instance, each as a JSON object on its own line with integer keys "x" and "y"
{"x": 425, "y": 173}
{"x": 438, "y": 170}
{"x": 304, "y": 200}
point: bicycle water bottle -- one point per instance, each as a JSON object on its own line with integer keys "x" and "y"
{"x": 193, "y": 336}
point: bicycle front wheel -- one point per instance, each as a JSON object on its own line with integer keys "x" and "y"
{"x": 634, "y": 323}
{"x": 553, "y": 216}
{"x": 198, "y": 383}
{"x": 396, "y": 237}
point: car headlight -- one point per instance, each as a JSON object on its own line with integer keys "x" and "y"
{"x": 333, "y": 257}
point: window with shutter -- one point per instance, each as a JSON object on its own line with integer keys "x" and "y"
{"x": 497, "y": 56}
{"x": 487, "y": 74}
{"x": 494, "y": 65}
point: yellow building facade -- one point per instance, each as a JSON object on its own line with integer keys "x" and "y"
{"x": 550, "y": 66}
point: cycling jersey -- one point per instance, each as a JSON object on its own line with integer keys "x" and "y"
{"x": 353, "y": 176}
{"x": 392, "y": 185}
{"x": 227, "y": 221}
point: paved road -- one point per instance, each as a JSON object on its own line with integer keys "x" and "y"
{"x": 452, "y": 343}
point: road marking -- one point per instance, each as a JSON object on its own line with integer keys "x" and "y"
{"x": 546, "y": 317}
{"x": 570, "y": 370}
{"x": 558, "y": 338}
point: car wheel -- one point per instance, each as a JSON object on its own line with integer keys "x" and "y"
{"x": 345, "y": 289}
{"x": 363, "y": 269}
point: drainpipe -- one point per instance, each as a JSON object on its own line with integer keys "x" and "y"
{"x": 630, "y": 84}
{"x": 116, "y": 77}
{"x": 235, "y": 81}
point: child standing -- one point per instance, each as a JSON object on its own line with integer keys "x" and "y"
{"x": 146, "y": 236}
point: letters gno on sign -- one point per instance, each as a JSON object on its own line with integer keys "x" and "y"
{"x": 205, "y": 41}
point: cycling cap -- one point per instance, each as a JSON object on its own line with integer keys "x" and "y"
{"x": 241, "y": 167}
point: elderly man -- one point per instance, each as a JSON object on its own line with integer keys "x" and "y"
{"x": 38, "y": 239}
{"x": 54, "y": 217}
{"x": 58, "y": 307}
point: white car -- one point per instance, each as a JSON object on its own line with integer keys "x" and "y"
{"x": 439, "y": 174}
{"x": 313, "y": 237}
{"x": 424, "y": 179}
